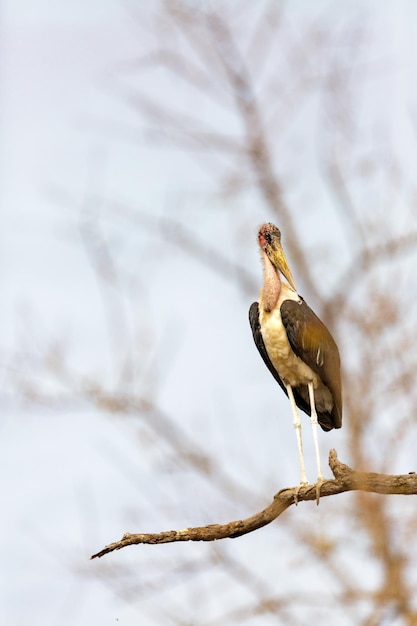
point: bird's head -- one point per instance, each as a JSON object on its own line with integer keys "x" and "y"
{"x": 269, "y": 237}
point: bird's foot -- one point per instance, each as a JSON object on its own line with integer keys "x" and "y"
{"x": 320, "y": 481}
{"x": 303, "y": 483}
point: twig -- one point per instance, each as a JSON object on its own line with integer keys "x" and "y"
{"x": 345, "y": 479}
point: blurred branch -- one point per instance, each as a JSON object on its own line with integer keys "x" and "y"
{"x": 170, "y": 431}
{"x": 257, "y": 148}
{"x": 346, "y": 479}
{"x": 220, "y": 66}
{"x": 186, "y": 239}
{"x": 361, "y": 265}
{"x": 108, "y": 276}
{"x": 339, "y": 186}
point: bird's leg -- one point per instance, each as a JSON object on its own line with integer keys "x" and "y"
{"x": 314, "y": 422}
{"x": 296, "y": 420}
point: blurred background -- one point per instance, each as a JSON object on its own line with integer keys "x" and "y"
{"x": 142, "y": 146}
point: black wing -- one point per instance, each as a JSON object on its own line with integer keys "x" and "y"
{"x": 313, "y": 344}
{"x": 259, "y": 342}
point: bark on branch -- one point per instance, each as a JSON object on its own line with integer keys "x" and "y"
{"x": 345, "y": 479}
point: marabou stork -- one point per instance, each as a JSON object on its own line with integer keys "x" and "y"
{"x": 296, "y": 346}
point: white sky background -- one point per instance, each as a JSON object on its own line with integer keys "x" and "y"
{"x": 72, "y": 480}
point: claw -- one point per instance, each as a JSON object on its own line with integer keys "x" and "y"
{"x": 320, "y": 481}
{"x": 297, "y": 490}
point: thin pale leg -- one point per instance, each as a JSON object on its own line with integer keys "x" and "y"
{"x": 314, "y": 422}
{"x": 296, "y": 420}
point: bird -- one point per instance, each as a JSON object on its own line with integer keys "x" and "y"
{"x": 296, "y": 346}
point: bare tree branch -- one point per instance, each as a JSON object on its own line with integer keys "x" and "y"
{"x": 346, "y": 479}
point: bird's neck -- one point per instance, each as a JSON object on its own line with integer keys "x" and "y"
{"x": 272, "y": 285}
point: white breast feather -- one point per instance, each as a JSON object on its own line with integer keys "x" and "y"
{"x": 291, "y": 369}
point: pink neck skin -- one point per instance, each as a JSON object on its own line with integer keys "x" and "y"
{"x": 272, "y": 284}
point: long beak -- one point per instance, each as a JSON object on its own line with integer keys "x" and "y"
{"x": 280, "y": 262}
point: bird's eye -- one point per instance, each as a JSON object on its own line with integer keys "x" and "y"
{"x": 268, "y": 237}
